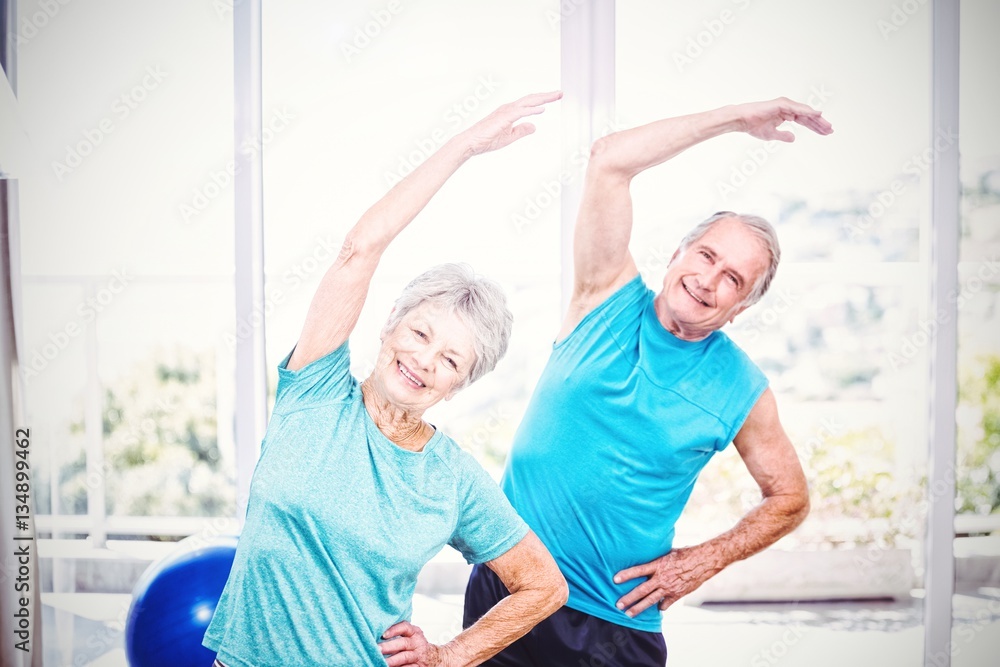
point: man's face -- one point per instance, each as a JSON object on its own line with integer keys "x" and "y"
{"x": 707, "y": 282}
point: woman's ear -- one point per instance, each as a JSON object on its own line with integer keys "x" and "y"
{"x": 385, "y": 327}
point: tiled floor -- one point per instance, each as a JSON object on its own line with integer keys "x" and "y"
{"x": 88, "y": 630}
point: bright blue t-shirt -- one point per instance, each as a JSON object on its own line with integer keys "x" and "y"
{"x": 623, "y": 419}
{"x": 340, "y": 521}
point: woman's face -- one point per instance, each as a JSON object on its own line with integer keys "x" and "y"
{"x": 425, "y": 358}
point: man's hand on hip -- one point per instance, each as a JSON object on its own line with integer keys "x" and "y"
{"x": 669, "y": 578}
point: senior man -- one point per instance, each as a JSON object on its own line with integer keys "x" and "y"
{"x": 640, "y": 391}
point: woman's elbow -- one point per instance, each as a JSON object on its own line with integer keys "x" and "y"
{"x": 557, "y": 590}
{"x": 561, "y": 594}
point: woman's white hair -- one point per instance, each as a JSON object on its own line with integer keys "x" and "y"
{"x": 763, "y": 230}
{"x": 476, "y": 299}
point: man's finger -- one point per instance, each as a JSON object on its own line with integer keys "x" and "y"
{"x": 643, "y": 604}
{"x": 782, "y": 135}
{"x": 643, "y": 570}
{"x": 817, "y": 124}
{"x": 636, "y": 594}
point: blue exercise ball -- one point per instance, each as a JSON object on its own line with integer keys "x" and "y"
{"x": 173, "y": 603}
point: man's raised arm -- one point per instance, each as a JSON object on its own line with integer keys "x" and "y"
{"x": 602, "y": 262}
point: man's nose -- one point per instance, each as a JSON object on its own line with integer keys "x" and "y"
{"x": 709, "y": 279}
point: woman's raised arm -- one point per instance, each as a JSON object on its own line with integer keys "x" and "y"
{"x": 336, "y": 306}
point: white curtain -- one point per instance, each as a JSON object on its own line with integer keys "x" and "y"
{"x": 20, "y": 597}
{"x": 20, "y": 594}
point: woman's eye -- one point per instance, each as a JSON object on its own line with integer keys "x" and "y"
{"x": 451, "y": 362}
{"x": 419, "y": 334}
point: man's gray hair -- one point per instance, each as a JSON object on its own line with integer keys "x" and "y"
{"x": 477, "y": 300}
{"x": 763, "y": 230}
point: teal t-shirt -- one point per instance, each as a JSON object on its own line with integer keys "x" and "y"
{"x": 340, "y": 521}
{"x": 623, "y": 419}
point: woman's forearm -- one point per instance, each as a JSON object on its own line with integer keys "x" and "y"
{"x": 504, "y": 624}
{"x": 381, "y": 223}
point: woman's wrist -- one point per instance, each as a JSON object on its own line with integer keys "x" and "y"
{"x": 452, "y": 655}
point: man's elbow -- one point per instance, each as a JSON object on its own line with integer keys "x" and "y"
{"x": 604, "y": 157}
{"x": 799, "y": 506}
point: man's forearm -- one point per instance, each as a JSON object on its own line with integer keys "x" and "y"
{"x": 637, "y": 149}
{"x": 772, "y": 519}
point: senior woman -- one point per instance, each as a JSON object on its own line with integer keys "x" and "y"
{"x": 354, "y": 492}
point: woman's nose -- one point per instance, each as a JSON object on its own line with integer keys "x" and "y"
{"x": 423, "y": 358}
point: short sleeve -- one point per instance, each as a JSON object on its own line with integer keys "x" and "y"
{"x": 745, "y": 384}
{"x": 488, "y": 526}
{"x": 325, "y": 380}
{"x": 620, "y": 314}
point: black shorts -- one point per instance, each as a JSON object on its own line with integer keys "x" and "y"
{"x": 567, "y": 638}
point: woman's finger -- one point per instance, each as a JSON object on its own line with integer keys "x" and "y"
{"x": 401, "y": 629}
{"x": 537, "y": 99}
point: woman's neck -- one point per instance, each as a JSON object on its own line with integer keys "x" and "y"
{"x": 406, "y": 429}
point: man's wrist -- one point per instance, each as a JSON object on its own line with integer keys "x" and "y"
{"x": 712, "y": 558}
